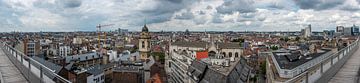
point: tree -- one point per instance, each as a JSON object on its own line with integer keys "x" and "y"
{"x": 161, "y": 56}
{"x": 274, "y": 47}
{"x": 263, "y": 68}
{"x": 286, "y": 39}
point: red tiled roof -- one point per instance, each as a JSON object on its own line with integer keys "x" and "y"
{"x": 201, "y": 55}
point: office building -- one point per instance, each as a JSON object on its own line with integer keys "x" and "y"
{"x": 307, "y": 31}
{"x": 355, "y": 30}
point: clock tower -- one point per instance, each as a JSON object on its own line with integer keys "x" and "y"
{"x": 144, "y": 43}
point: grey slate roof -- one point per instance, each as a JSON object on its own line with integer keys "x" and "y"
{"x": 230, "y": 45}
{"x": 48, "y": 64}
{"x": 95, "y": 70}
{"x": 197, "y": 69}
{"x": 190, "y": 44}
{"x": 206, "y": 74}
{"x": 288, "y": 62}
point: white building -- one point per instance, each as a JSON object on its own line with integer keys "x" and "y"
{"x": 64, "y": 50}
{"x": 77, "y": 40}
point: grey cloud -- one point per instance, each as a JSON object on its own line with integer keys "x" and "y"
{"x": 185, "y": 15}
{"x": 245, "y": 19}
{"x": 275, "y": 6}
{"x": 232, "y": 6}
{"x": 217, "y": 19}
{"x": 247, "y": 15}
{"x": 318, "y": 4}
{"x": 199, "y": 21}
{"x": 202, "y": 13}
{"x": 261, "y": 18}
{"x": 350, "y": 8}
{"x": 164, "y": 10}
{"x": 209, "y": 7}
{"x": 72, "y": 3}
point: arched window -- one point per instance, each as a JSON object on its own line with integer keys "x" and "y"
{"x": 212, "y": 54}
{"x": 236, "y": 54}
{"x": 224, "y": 54}
{"x": 230, "y": 54}
{"x": 143, "y": 44}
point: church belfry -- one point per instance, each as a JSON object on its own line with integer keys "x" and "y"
{"x": 144, "y": 43}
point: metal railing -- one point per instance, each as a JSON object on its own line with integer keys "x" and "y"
{"x": 32, "y": 70}
{"x": 327, "y": 68}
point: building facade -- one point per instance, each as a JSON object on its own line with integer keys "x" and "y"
{"x": 307, "y": 32}
{"x": 64, "y": 50}
{"x": 144, "y": 43}
{"x": 182, "y": 54}
{"x": 31, "y": 47}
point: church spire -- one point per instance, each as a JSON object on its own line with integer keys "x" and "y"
{"x": 145, "y": 29}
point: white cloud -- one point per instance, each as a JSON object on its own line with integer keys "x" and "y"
{"x": 224, "y": 15}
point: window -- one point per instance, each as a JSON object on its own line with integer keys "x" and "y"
{"x": 169, "y": 64}
{"x": 230, "y": 54}
{"x": 143, "y": 44}
{"x": 102, "y": 77}
{"x": 236, "y": 54}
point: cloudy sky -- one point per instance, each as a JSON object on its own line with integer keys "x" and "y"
{"x": 177, "y": 15}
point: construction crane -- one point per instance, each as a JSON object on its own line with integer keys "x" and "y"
{"x": 98, "y": 27}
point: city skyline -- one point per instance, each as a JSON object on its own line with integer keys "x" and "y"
{"x": 177, "y": 15}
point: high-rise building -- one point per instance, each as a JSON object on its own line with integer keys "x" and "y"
{"x": 329, "y": 33}
{"x": 355, "y": 30}
{"x": 307, "y": 32}
{"x": 122, "y": 31}
{"x": 144, "y": 43}
{"x": 348, "y": 31}
{"x": 340, "y": 29}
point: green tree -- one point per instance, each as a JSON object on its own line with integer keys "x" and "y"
{"x": 263, "y": 68}
{"x": 286, "y": 39}
{"x": 274, "y": 47}
{"x": 161, "y": 56}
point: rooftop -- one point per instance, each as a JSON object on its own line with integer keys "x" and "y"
{"x": 128, "y": 69}
{"x": 202, "y": 72}
{"x": 290, "y": 60}
{"x": 200, "y": 44}
{"x": 82, "y": 57}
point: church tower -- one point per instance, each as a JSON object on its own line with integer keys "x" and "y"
{"x": 144, "y": 43}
